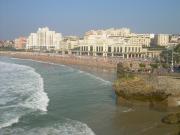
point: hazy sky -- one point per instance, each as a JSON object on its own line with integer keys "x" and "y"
{"x": 74, "y": 17}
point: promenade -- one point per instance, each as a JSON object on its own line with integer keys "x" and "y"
{"x": 109, "y": 63}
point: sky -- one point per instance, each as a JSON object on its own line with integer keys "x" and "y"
{"x": 75, "y": 17}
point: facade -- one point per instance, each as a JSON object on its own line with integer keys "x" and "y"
{"x": 175, "y": 39}
{"x": 44, "y": 39}
{"x": 69, "y": 43}
{"x": 119, "y": 34}
{"x": 20, "y": 43}
{"x": 114, "y": 42}
{"x": 123, "y": 32}
{"x": 106, "y": 43}
{"x": 140, "y": 39}
{"x": 7, "y": 43}
{"x": 161, "y": 40}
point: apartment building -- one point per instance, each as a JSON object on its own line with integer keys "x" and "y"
{"x": 44, "y": 39}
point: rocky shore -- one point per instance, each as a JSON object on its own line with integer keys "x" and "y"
{"x": 148, "y": 89}
{"x": 155, "y": 91}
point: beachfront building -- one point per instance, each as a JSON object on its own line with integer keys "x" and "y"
{"x": 112, "y": 48}
{"x": 69, "y": 43}
{"x": 161, "y": 40}
{"x": 106, "y": 43}
{"x": 175, "y": 38}
{"x": 20, "y": 43}
{"x": 44, "y": 40}
{"x": 7, "y": 43}
{"x": 115, "y": 43}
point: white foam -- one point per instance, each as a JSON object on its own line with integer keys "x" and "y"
{"x": 96, "y": 77}
{"x": 41, "y": 62}
{"x": 128, "y": 110}
{"x": 10, "y": 122}
{"x": 22, "y": 92}
{"x": 80, "y": 71}
{"x": 38, "y": 100}
{"x": 67, "y": 128}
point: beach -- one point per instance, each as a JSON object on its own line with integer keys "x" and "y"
{"x": 59, "y": 99}
{"x": 95, "y": 62}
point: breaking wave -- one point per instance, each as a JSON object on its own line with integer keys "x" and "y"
{"x": 21, "y": 92}
{"x": 69, "y": 127}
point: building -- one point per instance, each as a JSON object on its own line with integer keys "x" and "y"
{"x": 44, "y": 40}
{"x": 7, "y": 43}
{"x": 123, "y": 32}
{"x": 106, "y": 43}
{"x": 175, "y": 39}
{"x": 140, "y": 39}
{"x": 120, "y": 34}
{"x": 115, "y": 43}
{"x": 20, "y": 43}
{"x": 161, "y": 40}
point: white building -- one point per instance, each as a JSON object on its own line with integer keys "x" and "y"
{"x": 44, "y": 39}
{"x": 161, "y": 40}
{"x": 115, "y": 42}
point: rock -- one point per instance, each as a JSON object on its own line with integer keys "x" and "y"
{"x": 137, "y": 89}
{"x": 173, "y": 118}
{"x": 145, "y": 87}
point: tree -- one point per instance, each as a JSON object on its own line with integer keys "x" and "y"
{"x": 142, "y": 66}
{"x": 165, "y": 56}
{"x": 176, "y": 54}
{"x": 154, "y": 66}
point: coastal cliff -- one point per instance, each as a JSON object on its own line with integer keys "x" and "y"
{"x": 146, "y": 88}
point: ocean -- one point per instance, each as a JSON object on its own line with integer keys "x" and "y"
{"x": 39, "y": 98}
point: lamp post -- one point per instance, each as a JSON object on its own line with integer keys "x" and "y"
{"x": 172, "y": 61}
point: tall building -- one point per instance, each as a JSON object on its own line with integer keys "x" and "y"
{"x": 44, "y": 39}
{"x": 161, "y": 40}
{"x": 20, "y": 43}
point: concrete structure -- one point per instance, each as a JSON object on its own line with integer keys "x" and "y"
{"x": 120, "y": 34}
{"x": 140, "y": 39}
{"x": 106, "y": 43}
{"x": 115, "y": 43}
{"x": 20, "y": 43}
{"x": 161, "y": 40}
{"x": 44, "y": 40}
{"x": 69, "y": 43}
{"x": 175, "y": 39}
{"x": 7, "y": 43}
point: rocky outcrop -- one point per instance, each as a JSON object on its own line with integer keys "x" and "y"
{"x": 135, "y": 91}
{"x": 154, "y": 90}
{"x": 173, "y": 118}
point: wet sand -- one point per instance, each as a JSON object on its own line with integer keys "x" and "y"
{"x": 89, "y": 61}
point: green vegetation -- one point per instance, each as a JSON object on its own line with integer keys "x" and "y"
{"x": 123, "y": 72}
{"x": 166, "y": 55}
{"x": 142, "y": 66}
{"x": 7, "y": 49}
{"x": 173, "y": 118}
{"x": 154, "y": 66}
{"x": 177, "y": 54}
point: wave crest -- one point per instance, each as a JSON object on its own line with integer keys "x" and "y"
{"x": 22, "y": 92}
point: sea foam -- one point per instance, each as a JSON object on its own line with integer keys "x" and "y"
{"x": 70, "y": 127}
{"x": 21, "y": 92}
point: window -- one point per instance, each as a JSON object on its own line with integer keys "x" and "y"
{"x": 109, "y": 49}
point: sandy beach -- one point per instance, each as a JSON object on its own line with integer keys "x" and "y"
{"x": 95, "y": 62}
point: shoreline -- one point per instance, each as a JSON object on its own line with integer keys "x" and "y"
{"x": 85, "y": 61}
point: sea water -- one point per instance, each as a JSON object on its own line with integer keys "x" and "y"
{"x": 40, "y": 98}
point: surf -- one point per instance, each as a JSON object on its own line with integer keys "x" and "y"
{"x": 21, "y": 92}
